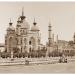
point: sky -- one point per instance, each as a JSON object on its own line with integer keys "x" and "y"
{"x": 60, "y": 14}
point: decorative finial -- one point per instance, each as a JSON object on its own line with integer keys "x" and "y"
{"x": 34, "y": 22}
{"x": 34, "y": 19}
{"x": 49, "y": 22}
{"x": 22, "y": 11}
{"x": 22, "y": 17}
{"x": 10, "y": 20}
{"x": 10, "y": 23}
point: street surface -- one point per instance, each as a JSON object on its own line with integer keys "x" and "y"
{"x": 41, "y": 68}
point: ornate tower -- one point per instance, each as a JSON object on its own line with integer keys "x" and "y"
{"x": 49, "y": 37}
{"x": 50, "y": 44}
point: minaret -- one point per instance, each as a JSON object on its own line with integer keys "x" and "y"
{"x": 49, "y": 37}
{"x": 49, "y": 48}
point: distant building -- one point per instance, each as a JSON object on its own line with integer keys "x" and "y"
{"x": 2, "y": 47}
{"x": 60, "y": 46}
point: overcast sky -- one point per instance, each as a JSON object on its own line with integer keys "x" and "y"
{"x": 61, "y": 15}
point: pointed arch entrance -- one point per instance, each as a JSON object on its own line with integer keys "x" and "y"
{"x": 32, "y": 42}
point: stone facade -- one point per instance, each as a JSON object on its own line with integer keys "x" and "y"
{"x": 22, "y": 37}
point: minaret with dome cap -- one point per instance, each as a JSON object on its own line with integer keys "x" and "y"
{"x": 49, "y": 37}
{"x": 50, "y": 42}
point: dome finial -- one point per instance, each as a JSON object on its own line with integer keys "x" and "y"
{"x": 22, "y": 17}
{"x": 10, "y": 23}
{"x": 49, "y": 21}
{"x": 22, "y": 11}
{"x": 34, "y": 19}
{"x": 34, "y": 22}
{"x": 10, "y": 20}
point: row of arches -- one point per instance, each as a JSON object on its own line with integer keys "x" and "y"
{"x": 32, "y": 41}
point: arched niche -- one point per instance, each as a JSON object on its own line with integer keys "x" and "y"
{"x": 10, "y": 41}
{"x": 25, "y": 41}
{"x": 38, "y": 41}
{"x": 32, "y": 41}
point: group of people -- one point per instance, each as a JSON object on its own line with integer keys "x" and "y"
{"x": 63, "y": 59}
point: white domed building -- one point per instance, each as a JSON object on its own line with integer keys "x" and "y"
{"x": 26, "y": 38}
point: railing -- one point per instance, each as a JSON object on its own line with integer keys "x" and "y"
{"x": 17, "y": 61}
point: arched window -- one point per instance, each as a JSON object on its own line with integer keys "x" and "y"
{"x": 38, "y": 41}
{"x": 21, "y": 49}
{"x": 32, "y": 41}
{"x": 5, "y": 41}
{"x": 10, "y": 42}
{"x": 29, "y": 42}
{"x": 16, "y": 40}
{"x": 25, "y": 41}
{"x": 21, "y": 40}
{"x": 30, "y": 49}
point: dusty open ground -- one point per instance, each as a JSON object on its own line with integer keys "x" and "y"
{"x": 45, "y": 68}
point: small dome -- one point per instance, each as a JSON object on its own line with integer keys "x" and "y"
{"x": 34, "y": 28}
{"x": 25, "y": 24}
{"x": 10, "y": 27}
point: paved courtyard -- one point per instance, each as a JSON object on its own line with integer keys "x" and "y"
{"x": 45, "y": 68}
